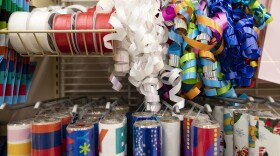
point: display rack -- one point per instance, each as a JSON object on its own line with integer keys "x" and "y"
{"x": 24, "y": 111}
{"x": 65, "y": 2}
{"x": 57, "y": 53}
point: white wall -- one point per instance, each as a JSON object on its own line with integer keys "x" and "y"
{"x": 270, "y": 60}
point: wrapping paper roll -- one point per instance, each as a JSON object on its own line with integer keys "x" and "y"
{"x": 187, "y": 131}
{"x": 19, "y": 138}
{"x": 80, "y": 140}
{"x": 112, "y": 133}
{"x": 138, "y": 116}
{"x": 171, "y": 130}
{"x": 94, "y": 120}
{"x": 218, "y": 114}
{"x": 46, "y": 137}
{"x": 205, "y": 138}
{"x": 65, "y": 121}
{"x": 241, "y": 133}
{"x": 147, "y": 138}
{"x": 98, "y": 112}
{"x": 264, "y": 136}
{"x": 181, "y": 115}
{"x": 228, "y": 129}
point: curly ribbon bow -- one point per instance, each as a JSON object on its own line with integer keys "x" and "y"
{"x": 214, "y": 42}
{"x": 241, "y": 51}
{"x": 141, "y": 52}
{"x": 205, "y": 38}
{"x": 172, "y": 76}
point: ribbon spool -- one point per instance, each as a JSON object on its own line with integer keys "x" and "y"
{"x": 85, "y": 21}
{"x": 41, "y": 20}
{"x": 64, "y": 22}
{"x": 102, "y": 22}
{"x": 18, "y": 21}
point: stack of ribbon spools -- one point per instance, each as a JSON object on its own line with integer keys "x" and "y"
{"x": 61, "y": 19}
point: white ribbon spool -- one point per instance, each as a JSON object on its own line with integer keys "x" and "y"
{"x": 41, "y": 20}
{"x": 18, "y": 21}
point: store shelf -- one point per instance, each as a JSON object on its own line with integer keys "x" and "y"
{"x": 72, "y": 53}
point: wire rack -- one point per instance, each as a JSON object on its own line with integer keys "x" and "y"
{"x": 72, "y": 53}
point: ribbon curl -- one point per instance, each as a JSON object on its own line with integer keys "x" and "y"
{"x": 238, "y": 58}
{"x": 141, "y": 52}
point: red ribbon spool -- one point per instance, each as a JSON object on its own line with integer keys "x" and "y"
{"x": 102, "y": 22}
{"x": 85, "y": 21}
{"x": 63, "y": 22}
{"x": 91, "y": 10}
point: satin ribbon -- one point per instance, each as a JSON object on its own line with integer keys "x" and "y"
{"x": 85, "y": 21}
{"x": 64, "y": 22}
{"x": 91, "y": 20}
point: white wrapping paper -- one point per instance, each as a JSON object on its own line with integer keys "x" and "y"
{"x": 112, "y": 139}
{"x": 171, "y": 138}
{"x": 264, "y": 136}
{"x": 241, "y": 133}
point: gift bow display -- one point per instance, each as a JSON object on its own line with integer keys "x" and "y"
{"x": 210, "y": 46}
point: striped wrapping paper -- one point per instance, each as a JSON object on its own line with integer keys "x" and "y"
{"x": 19, "y": 139}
